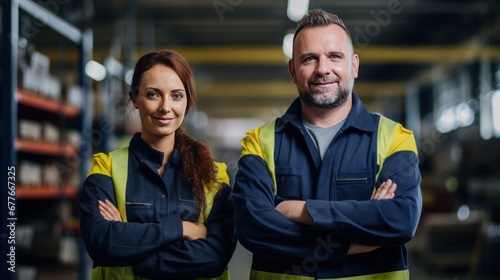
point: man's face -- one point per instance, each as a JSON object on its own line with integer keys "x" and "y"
{"x": 323, "y": 66}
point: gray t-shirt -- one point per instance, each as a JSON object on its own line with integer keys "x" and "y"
{"x": 322, "y": 136}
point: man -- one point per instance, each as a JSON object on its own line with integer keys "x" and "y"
{"x": 310, "y": 195}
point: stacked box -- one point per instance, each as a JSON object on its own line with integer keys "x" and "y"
{"x": 50, "y": 133}
{"x": 50, "y": 175}
{"x": 30, "y": 174}
{"x": 30, "y": 130}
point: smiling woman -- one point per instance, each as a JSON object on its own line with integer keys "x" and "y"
{"x": 162, "y": 102}
{"x": 177, "y": 201}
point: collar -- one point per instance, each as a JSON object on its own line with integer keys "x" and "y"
{"x": 358, "y": 118}
{"x": 145, "y": 153}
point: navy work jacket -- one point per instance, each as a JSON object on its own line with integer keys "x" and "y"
{"x": 151, "y": 239}
{"x": 281, "y": 162}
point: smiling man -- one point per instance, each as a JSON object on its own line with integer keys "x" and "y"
{"x": 315, "y": 195}
{"x": 322, "y": 68}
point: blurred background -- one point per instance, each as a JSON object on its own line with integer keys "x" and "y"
{"x": 433, "y": 66}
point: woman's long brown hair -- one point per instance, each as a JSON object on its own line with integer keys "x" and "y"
{"x": 197, "y": 164}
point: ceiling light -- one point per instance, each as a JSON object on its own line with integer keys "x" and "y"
{"x": 495, "y": 109}
{"x": 288, "y": 45}
{"x": 447, "y": 121}
{"x": 113, "y": 66}
{"x": 297, "y": 9}
{"x": 486, "y": 115}
{"x": 95, "y": 70}
{"x": 465, "y": 114}
{"x": 463, "y": 213}
{"x": 128, "y": 76}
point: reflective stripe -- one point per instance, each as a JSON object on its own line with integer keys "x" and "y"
{"x": 266, "y": 136}
{"x": 385, "y": 136}
{"x": 264, "y": 275}
{"x": 210, "y": 193}
{"x": 224, "y": 276}
{"x": 119, "y": 172}
{"x": 115, "y": 273}
{"x": 392, "y": 275}
{"x": 126, "y": 273}
{"x": 260, "y": 142}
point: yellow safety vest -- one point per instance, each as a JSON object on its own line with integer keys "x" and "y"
{"x": 265, "y": 148}
{"x": 119, "y": 167}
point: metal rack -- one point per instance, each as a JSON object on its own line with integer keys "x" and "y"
{"x": 10, "y": 27}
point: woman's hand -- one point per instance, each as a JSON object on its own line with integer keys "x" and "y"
{"x": 192, "y": 231}
{"x": 109, "y": 212}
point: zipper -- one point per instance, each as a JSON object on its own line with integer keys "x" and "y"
{"x": 138, "y": 204}
{"x": 365, "y": 179}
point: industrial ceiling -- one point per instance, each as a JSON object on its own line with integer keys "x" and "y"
{"x": 235, "y": 46}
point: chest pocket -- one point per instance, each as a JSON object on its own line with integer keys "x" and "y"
{"x": 353, "y": 185}
{"x": 140, "y": 211}
{"x": 188, "y": 210}
{"x": 288, "y": 183}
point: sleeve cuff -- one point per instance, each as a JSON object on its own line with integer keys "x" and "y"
{"x": 335, "y": 248}
{"x": 320, "y": 213}
{"x": 171, "y": 227}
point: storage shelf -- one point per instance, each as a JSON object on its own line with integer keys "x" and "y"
{"x": 34, "y": 100}
{"x": 45, "y": 148}
{"x": 45, "y": 192}
{"x": 17, "y": 104}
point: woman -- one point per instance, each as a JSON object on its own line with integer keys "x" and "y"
{"x": 174, "y": 215}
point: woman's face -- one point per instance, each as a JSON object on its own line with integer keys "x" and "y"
{"x": 161, "y": 101}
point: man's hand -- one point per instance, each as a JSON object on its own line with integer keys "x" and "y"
{"x": 108, "y": 211}
{"x": 295, "y": 210}
{"x": 385, "y": 191}
{"x": 356, "y": 248}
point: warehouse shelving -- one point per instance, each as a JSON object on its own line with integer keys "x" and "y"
{"x": 46, "y": 192}
{"x": 36, "y": 205}
{"x": 28, "y": 146}
{"x": 33, "y": 100}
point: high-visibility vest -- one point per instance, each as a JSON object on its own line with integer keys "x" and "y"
{"x": 119, "y": 172}
{"x": 265, "y": 148}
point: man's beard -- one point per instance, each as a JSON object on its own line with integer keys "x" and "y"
{"x": 314, "y": 98}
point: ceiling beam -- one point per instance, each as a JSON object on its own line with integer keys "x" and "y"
{"x": 371, "y": 54}
{"x": 273, "y": 55}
